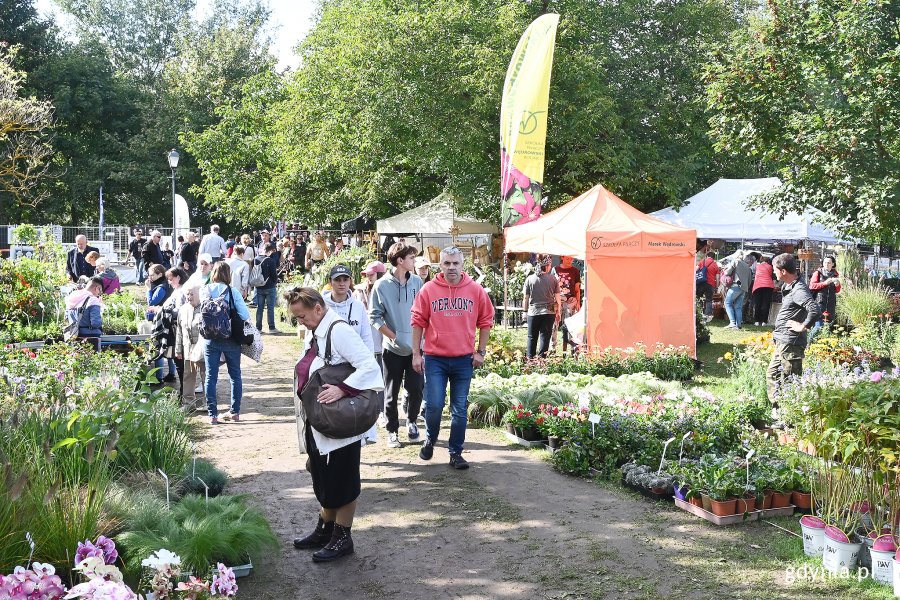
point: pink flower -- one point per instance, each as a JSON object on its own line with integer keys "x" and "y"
{"x": 876, "y": 376}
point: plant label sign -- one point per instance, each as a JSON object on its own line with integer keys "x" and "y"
{"x": 594, "y": 418}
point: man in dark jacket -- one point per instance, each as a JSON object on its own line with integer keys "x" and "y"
{"x": 136, "y": 251}
{"x": 189, "y": 252}
{"x": 799, "y": 311}
{"x": 266, "y": 294}
{"x": 76, "y": 265}
{"x": 153, "y": 254}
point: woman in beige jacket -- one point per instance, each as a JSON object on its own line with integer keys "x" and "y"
{"x": 189, "y": 345}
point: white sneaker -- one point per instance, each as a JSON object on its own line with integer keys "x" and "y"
{"x": 393, "y": 441}
{"x": 730, "y": 326}
{"x": 198, "y": 389}
{"x": 382, "y": 420}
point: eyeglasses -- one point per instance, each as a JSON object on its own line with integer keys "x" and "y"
{"x": 451, "y": 250}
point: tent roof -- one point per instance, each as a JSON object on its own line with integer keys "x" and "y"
{"x": 436, "y": 217}
{"x": 606, "y": 219}
{"x": 720, "y": 212}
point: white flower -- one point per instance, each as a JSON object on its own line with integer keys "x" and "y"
{"x": 161, "y": 559}
{"x": 93, "y": 567}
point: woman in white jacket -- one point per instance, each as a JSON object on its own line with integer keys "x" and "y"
{"x": 333, "y": 463}
{"x": 189, "y": 345}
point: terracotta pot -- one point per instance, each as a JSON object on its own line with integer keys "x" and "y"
{"x": 767, "y": 500}
{"x": 786, "y": 439}
{"x": 781, "y": 500}
{"x": 801, "y": 499}
{"x": 724, "y": 508}
{"x": 696, "y": 501}
{"x": 746, "y": 504}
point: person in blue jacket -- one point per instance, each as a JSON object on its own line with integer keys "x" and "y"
{"x": 219, "y": 284}
{"x": 87, "y": 301}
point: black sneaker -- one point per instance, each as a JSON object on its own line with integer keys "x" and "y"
{"x": 458, "y": 462}
{"x": 427, "y": 449}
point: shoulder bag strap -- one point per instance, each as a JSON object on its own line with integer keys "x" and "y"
{"x": 328, "y": 342}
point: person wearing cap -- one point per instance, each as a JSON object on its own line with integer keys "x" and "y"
{"x": 201, "y": 276}
{"x": 350, "y": 309}
{"x": 423, "y": 269}
{"x": 261, "y": 246}
{"x": 390, "y": 311}
{"x": 266, "y": 293}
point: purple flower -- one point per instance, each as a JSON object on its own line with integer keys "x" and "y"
{"x": 110, "y": 554}
{"x": 876, "y": 376}
{"x": 60, "y": 376}
{"x": 87, "y": 550}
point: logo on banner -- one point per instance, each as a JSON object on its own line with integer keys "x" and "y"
{"x": 529, "y": 122}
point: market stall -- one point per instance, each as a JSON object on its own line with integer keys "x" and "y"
{"x": 639, "y": 270}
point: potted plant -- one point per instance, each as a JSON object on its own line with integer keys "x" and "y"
{"x": 523, "y": 423}
{"x": 842, "y": 492}
{"x": 719, "y": 485}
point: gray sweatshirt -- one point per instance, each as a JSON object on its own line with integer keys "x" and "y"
{"x": 391, "y": 305}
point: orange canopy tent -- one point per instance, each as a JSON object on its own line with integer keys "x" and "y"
{"x": 639, "y": 270}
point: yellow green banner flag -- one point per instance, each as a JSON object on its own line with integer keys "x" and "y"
{"x": 523, "y": 122}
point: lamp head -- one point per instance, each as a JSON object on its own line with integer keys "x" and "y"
{"x": 173, "y": 157}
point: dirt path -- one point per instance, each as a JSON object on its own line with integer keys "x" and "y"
{"x": 509, "y": 527}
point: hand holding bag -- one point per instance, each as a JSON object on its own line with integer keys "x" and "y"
{"x": 348, "y": 417}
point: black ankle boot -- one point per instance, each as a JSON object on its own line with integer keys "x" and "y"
{"x": 318, "y": 538}
{"x": 340, "y": 545}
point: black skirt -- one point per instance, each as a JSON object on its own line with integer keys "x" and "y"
{"x": 335, "y": 476}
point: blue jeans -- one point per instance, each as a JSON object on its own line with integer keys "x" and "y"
{"x": 734, "y": 305}
{"x": 438, "y": 371}
{"x": 139, "y": 269}
{"x": 159, "y": 365}
{"x": 232, "y": 352}
{"x": 265, "y": 297}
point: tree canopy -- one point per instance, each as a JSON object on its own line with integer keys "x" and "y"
{"x": 813, "y": 89}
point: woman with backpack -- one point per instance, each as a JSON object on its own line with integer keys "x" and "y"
{"x": 220, "y": 295}
{"x": 159, "y": 291}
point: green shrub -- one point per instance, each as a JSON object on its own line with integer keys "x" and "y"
{"x": 204, "y": 470}
{"x": 223, "y": 530}
{"x": 857, "y": 304}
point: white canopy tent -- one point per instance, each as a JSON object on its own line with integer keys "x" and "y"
{"x": 437, "y": 217}
{"x": 720, "y": 212}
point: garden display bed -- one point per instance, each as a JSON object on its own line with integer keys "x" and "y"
{"x": 717, "y": 520}
{"x": 523, "y": 442}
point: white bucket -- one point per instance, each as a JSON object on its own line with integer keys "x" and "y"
{"x": 813, "y": 540}
{"x": 896, "y": 579}
{"x": 882, "y": 566}
{"x": 840, "y": 555}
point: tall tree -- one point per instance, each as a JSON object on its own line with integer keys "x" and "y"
{"x": 397, "y": 100}
{"x": 25, "y": 124}
{"x": 814, "y": 89}
{"x": 140, "y": 35}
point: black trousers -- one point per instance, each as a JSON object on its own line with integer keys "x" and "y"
{"x": 397, "y": 369}
{"x": 540, "y": 328}
{"x": 762, "y": 301}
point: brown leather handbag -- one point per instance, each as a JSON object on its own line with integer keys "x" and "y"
{"x": 348, "y": 417}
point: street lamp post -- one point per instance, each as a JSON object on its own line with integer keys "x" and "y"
{"x": 173, "y": 157}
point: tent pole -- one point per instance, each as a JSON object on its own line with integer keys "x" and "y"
{"x": 505, "y": 285}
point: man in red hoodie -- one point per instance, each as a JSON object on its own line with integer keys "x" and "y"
{"x": 448, "y": 310}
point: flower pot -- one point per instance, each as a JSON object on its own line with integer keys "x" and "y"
{"x": 680, "y": 491}
{"x": 724, "y": 508}
{"x": 865, "y": 552}
{"x": 813, "y": 529}
{"x": 786, "y": 439}
{"x": 746, "y": 504}
{"x": 511, "y": 428}
{"x": 696, "y": 501}
{"x": 554, "y": 441}
{"x": 529, "y": 434}
{"x": 706, "y": 502}
{"x": 781, "y": 500}
{"x": 840, "y": 552}
{"x": 896, "y": 578}
{"x": 801, "y": 500}
{"x": 767, "y": 500}
{"x": 883, "y": 564}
